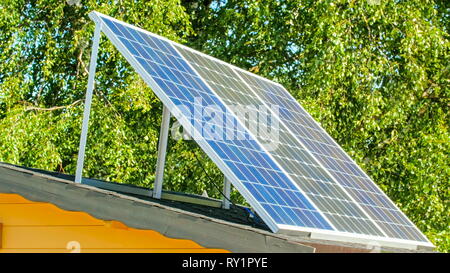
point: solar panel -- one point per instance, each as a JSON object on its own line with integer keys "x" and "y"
{"x": 299, "y": 181}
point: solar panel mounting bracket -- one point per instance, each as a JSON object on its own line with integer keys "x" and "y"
{"x": 88, "y": 101}
{"x": 162, "y": 148}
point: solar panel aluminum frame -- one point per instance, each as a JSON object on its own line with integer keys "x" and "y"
{"x": 276, "y": 228}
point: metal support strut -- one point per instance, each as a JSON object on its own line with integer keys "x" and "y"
{"x": 87, "y": 103}
{"x": 162, "y": 147}
{"x": 226, "y": 193}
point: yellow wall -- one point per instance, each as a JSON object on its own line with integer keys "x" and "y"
{"x": 27, "y": 226}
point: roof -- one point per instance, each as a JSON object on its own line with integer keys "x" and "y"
{"x": 184, "y": 216}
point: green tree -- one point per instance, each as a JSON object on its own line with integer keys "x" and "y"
{"x": 44, "y": 55}
{"x": 374, "y": 73}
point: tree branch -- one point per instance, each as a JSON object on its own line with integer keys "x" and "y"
{"x": 31, "y": 108}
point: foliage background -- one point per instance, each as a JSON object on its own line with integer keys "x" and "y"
{"x": 376, "y": 75}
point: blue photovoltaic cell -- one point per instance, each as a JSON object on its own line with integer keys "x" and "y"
{"x": 254, "y": 168}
